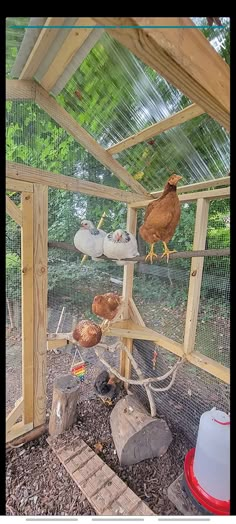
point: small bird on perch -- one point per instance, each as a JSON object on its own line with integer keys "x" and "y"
{"x": 161, "y": 218}
{"x": 89, "y": 240}
{"x": 106, "y": 387}
{"x": 119, "y": 245}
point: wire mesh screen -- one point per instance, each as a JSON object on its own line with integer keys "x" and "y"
{"x": 13, "y": 309}
{"x": 72, "y": 284}
{"x": 213, "y": 328}
{"x": 161, "y": 290}
{"x": 193, "y": 392}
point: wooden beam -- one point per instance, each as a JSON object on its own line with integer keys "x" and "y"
{"x": 16, "y": 412}
{"x": 27, "y": 278}
{"x": 130, "y": 329}
{"x": 156, "y": 129}
{"x": 67, "y": 122}
{"x": 40, "y": 301}
{"x": 134, "y": 313}
{"x": 210, "y": 366}
{"x": 18, "y": 185}
{"x": 69, "y": 48}
{"x": 128, "y": 276}
{"x": 20, "y": 172}
{"x": 213, "y": 194}
{"x": 20, "y": 90}
{"x": 54, "y": 344}
{"x": 17, "y": 430}
{"x": 182, "y": 56}
{"x": 224, "y": 181}
{"x": 43, "y": 43}
{"x": 195, "y": 280}
{"x": 14, "y": 211}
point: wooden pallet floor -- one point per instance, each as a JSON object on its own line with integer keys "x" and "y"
{"x": 105, "y": 491}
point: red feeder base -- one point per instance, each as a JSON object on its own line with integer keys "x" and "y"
{"x": 210, "y": 504}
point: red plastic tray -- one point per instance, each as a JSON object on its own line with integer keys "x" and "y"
{"x": 214, "y": 506}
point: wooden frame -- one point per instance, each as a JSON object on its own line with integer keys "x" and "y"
{"x": 176, "y": 55}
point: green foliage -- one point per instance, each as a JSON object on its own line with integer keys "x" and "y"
{"x": 13, "y": 276}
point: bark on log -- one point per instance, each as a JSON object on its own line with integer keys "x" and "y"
{"x": 64, "y": 403}
{"x": 136, "y": 435}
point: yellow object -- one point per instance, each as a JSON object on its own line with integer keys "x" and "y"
{"x": 151, "y": 254}
{"x": 139, "y": 175}
{"x": 98, "y": 226}
{"x": 167, "y": 252}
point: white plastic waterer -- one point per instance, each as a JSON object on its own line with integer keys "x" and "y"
{"x": 211, "y": 464}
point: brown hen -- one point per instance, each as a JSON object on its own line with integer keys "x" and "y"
{"x": 161, "y": 218}
{"x": 106, "y": 306}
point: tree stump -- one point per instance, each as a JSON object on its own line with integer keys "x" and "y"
{"x": 137, "y": 436}
{"x": 64, "y": 403}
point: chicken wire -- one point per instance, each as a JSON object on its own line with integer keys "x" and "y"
{"x": 193, "y": 392}
{"x": 13, "y": 310}
{"x": 72, "y": 285}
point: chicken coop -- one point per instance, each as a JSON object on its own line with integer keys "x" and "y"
{"x": 99, "y": 113}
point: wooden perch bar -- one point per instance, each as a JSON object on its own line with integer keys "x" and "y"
{"x": 180, "y": 254}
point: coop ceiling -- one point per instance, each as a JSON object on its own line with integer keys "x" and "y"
{"x": 115, "y": 93}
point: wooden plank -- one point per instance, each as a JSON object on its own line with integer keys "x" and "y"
{"x": 40, "y": 301}
{"x": 134, "y": 313}
{"x": 18, "y": 185}
{"x": 128, "y": 275}
{"x": 210, "y": 366}
{"x": 129, "y": 329}
{"x": 43, "y": 43}
{"x": 20, "y": 172}
{"x": 17, "y": 430}
{"x": 15, "y": 413}
{"x": 27, "y": 278}
{"x": 105, "y": 491}
{"x": 67, "y": 122}
{"x": 54, "y": 344}
{"x": 186, "y": 114}
{"x": 224, "y": 181}
{"x": 183, "y": 57}
{"x": 213, "y": 194}
{"x": 20, "y": 90}
{"x": 70, "y": 46}
{"x": 195, "y": 279}
{"x": 14, "y": 211}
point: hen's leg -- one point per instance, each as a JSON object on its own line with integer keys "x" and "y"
{"x": 151, "y": 254}
{"x": 167, "y": 252}
{"x": 106, "y": 401}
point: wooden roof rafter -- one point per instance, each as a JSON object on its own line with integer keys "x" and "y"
{"x": 67, "y": 122}
{"x": 183, "y": 57}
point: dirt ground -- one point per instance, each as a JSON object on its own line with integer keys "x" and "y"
{"x": 36, "y": 483}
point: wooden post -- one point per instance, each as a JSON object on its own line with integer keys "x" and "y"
{"x": 27, "y": 277}
{"x": 40, "y": 301}
{"x": 64, "y": 403}
{"x": 195, "y": 279}
{"x": 127, "y": 293}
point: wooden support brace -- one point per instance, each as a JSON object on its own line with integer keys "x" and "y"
{"x": 14, "y": 211}
{"x": 40, "y": 301}
{"x": 195, "y": 280}
{"x": 27, "y": 276}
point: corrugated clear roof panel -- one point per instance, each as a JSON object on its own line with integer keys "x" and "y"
{"x": 114, "y": 95}
{"x": 14, "y": 38}
{"x": 197, "y": 150}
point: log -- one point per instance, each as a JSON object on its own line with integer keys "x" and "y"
{"x": 136, "y": 435}
{"x": 64, "y": 403}
{"x": 34, "y": 434}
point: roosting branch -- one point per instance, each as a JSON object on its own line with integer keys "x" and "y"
{"x": 180, "y": 254}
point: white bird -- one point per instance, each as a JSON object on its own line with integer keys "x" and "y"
{"x": 89, "y": 240}
{"x": 119, "y": 245}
